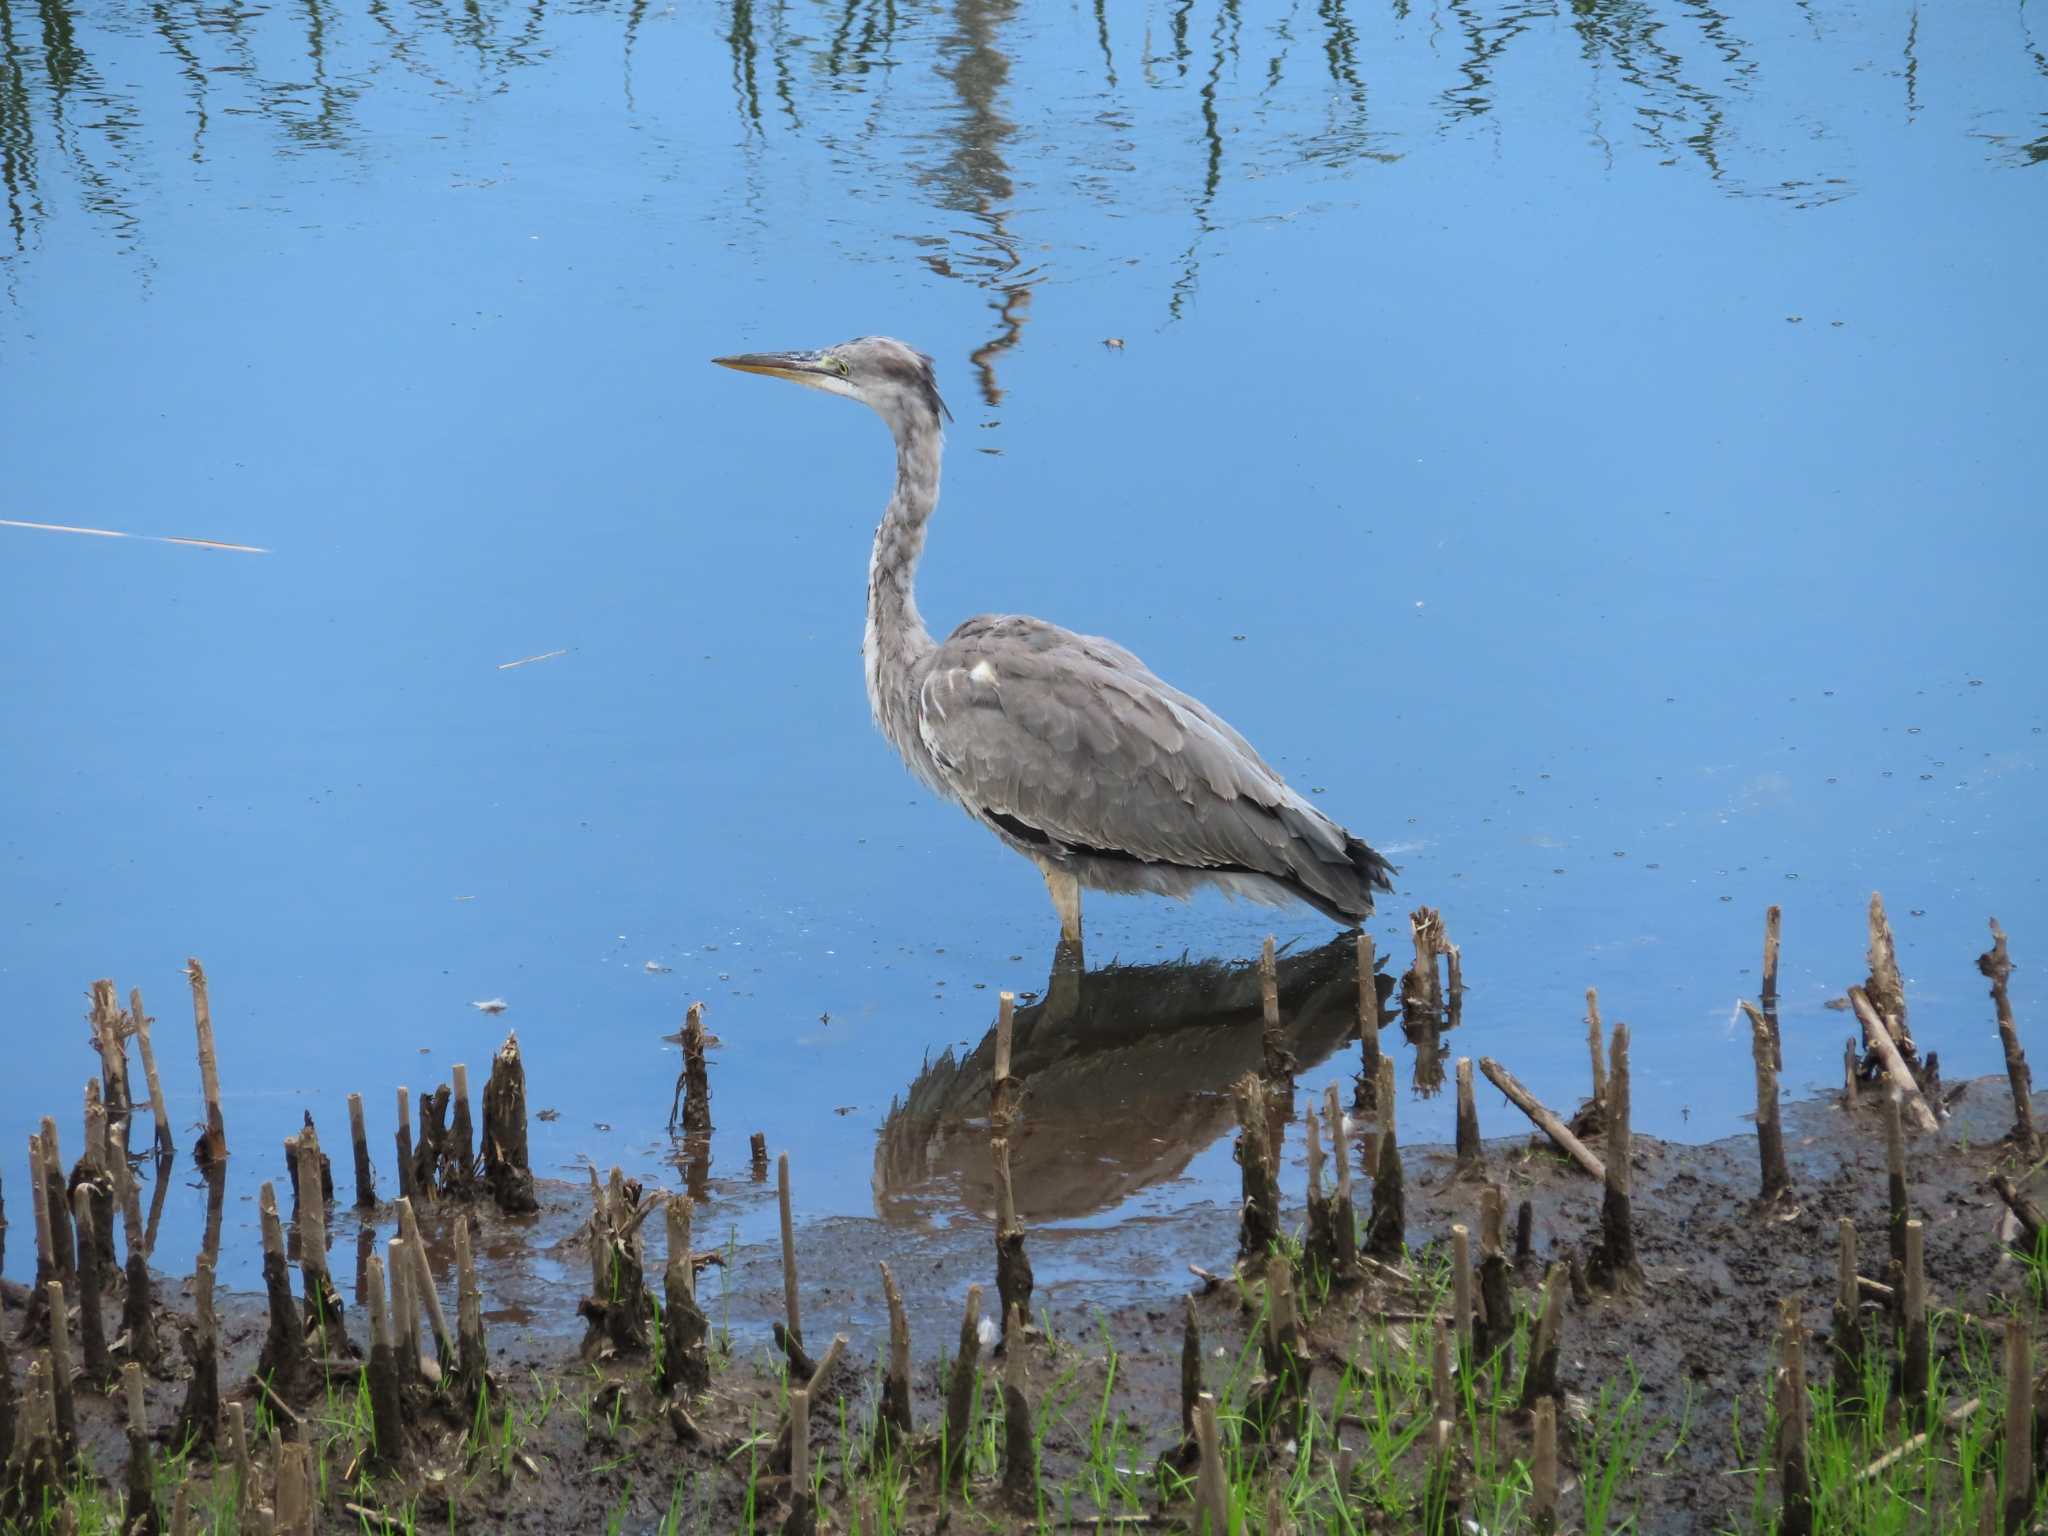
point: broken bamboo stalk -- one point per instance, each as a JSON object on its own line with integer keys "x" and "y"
{"x": 1013, "y": 1264}
{"x": 1461, "y": 1291}
{"x": 213, "y": 1141}
{"x": 1368, "y": 1025}
{"x": 199, "y": 1416}
{"x": 818, "y": 1384}
{"x": 147, "y": 1050}
{"x": 1615, "y": 1264}
{"x": 1770, "y": 1136}
{"x": 1880, "y": 1040}
{"x": 893, "y": 1422}
{"x": 1471, "y": 1160}
{"x": 294, "y": 1490}
{"x": 460, "y": 1178}
{"x": 138, "y": 1303}
{"x": 1895, "y": 1184}
{"x": 1421, "y": 991}
{"x": 1440, "y": 1371}
{"x": 65, "y": 1421}
{"x": 1596, "y": 1045}
{"x": 1544, "y": 1348}
{"x": 1002, "y": 1088}
{"x": 1319, "y": 1244}
{"x": 685, "y": 1367}
{"x": 425, "y": 1291}
{"x": 803, "y": 1513}
{"x": 1852, "y": 1072}
{"x": 366, "y": 1182}
{"x": 46, "y": 1265}
{"x": 35, "y": 1474}
{"x": 405, "y": 1309}
{"x": 235, "y": 1420}
{"x": 508, "y": 1170}
{"x": 1542, "y": 1117}
{"x": 1212, "y": 1484}
{"x": 960, "y": 1391}
{"x": 1767, "y": 995}
{"x": 1796, "y": 1495}
{"x": 387, "y": 1420}
{"x": 2032, "y": 1219}
{"x": 1914, "y": 1364}
{"x": 1543, "y": 1470}
{"x": 473, "y": 1358}
{"x": 64, "y": 1253}
{"x": 283, "y": 1360}
{"x": 696, "y": 1076}
{"x": 1996, "y": 966}
{"x": 403, "y": 1138}
{"x": 2019, "y": 1426}
{"x": 105, "y": 1023}
{"x": 1495, "y": 1297}
{"x": 1343, "y": 1213}
{"x": 1259, "y": 1228}
{"x": 1386, "y": 1233}
{"x": 1847, "y": 1334}
{"x": 1282, "y": 1409}
{"x": 140, "y": 1514}
{"x": 92, "y": 1323}
{"x": 1278, "y": 1063}
{"x": 1886, "y": 987}
{"x": 792, "y": 1337}
{"x": 1020, "y": 1452}
{"x": 323, "y": 1301}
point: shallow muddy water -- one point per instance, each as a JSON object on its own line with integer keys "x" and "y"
{"x": 1592, "y": 449}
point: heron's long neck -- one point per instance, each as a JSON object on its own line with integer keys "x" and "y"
{"x": 897, "y": 642}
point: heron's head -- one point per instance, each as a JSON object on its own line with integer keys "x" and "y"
{"x": 887, "y": 376}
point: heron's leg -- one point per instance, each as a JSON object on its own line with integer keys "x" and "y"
{"x": 1065, "y": 891}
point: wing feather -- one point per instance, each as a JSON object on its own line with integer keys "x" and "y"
{"x": 1077, "y": 739}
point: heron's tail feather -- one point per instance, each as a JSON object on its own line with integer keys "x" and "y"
{"x": 1375, "y": 871}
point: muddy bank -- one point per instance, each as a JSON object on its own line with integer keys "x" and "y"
{"x": 591, "y": 1446}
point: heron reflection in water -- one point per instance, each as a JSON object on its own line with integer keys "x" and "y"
{"x": 1065, "y": 746}
{"x": 1127, "y": 1074}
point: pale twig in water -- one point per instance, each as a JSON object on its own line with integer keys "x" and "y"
{"x": 116, "y": 533}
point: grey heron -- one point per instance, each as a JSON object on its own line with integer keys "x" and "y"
{"x": 1066, "y": 746}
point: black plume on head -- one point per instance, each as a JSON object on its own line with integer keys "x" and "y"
{"x": 928, "y": 381}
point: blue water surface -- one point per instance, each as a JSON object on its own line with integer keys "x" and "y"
{"x": 1594, "y": 448}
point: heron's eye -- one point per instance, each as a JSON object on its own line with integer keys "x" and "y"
{"x": 837, "y": 365}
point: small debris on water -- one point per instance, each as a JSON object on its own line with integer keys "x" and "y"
{"x": 507, "y": 666}
{"x": 846, "y": 1109}
{"x": 1114, "y": 343}
{"x": 490, "y": 1005}
{"x": 656, "y": 968}
{"x": 549, "y": 1114}
{"x": 601, "y": 1125}
{"x": 824, "y": 1018}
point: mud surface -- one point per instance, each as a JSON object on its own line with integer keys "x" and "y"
{"x": 594, "y": 1447}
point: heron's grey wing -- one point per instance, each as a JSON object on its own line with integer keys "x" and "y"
{"x": 1074, "y": 741}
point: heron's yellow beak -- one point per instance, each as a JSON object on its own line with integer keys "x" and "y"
{"x": 803, "y": 367}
